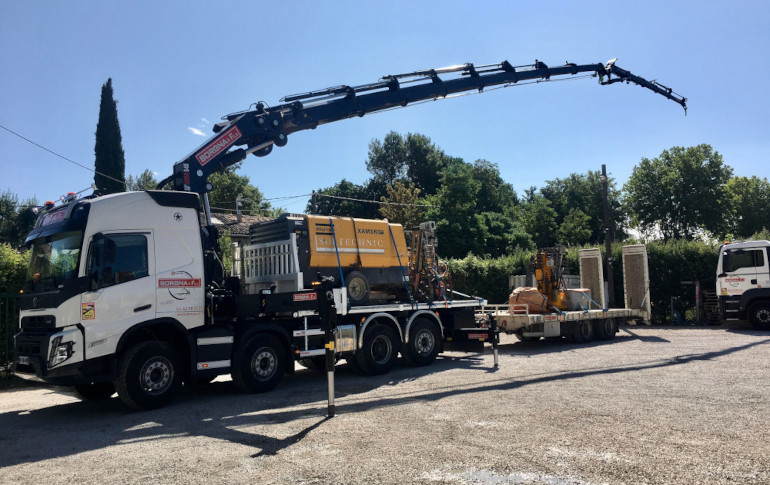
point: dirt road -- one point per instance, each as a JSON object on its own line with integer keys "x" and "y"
{"x": 656, "y": 405}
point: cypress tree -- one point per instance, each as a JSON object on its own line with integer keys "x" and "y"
{"x": 110, "y": 162}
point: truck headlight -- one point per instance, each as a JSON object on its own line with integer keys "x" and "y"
{"x": 59, "y": 352}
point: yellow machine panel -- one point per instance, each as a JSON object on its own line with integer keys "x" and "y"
{"x": 359, "y": 242}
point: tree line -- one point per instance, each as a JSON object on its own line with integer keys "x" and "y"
{"x": 684, "y": 193}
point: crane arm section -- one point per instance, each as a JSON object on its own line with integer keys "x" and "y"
{"x": 257, "y": 131}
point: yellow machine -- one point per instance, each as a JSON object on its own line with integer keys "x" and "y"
{"x": 548, "y": 265}
{"x": 360, "y": 243}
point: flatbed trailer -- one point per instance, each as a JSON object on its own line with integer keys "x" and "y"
{"x": 587, "y": 323}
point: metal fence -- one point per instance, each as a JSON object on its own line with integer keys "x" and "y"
{"x": 9, "y": 325}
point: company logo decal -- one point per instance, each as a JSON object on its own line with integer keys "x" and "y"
{"x": 734, "y": 281}
{"x": 218, "y": 146}
{"x": 88, "y": 311}
{"x": 179, "y": 283}
{"x": 305, "y": 297}
{"x": 52, "y": 217}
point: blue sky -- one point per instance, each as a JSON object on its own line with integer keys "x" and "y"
{"x": 179, "y": 66}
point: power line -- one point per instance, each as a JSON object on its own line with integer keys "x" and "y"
{"x": 374, "y": 201}
{"x": 61, "y": 156}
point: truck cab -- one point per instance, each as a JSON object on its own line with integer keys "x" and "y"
{"x": 743, "y": 282}
{"x": 101, "y": 271}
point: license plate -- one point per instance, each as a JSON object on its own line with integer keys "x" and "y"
{"x": 23, "y": 360}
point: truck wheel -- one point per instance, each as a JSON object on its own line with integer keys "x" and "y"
{"x": 95, "y": 391}
{"x": 149, "y": 375}
{"x": 606, "y": 329}
{"x": 379, "y": 351}
{"x": 584, "y": 331}
{"x": 759, "y": 315}
{"x": 259, "y": 364}
{"x": 423, "y": 345}
{"x": 358, "y": 288}
{"x": 317, "y": 362}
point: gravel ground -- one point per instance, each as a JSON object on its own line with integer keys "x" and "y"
{"x": 656, "y": 405}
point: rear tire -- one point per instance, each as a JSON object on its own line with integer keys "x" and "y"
{"x": 317, "y": 362}
{"x": 423, "y": 345}
{"x": 379, "y": 351}
{"x": 584, "y": 331}
{"x": 759, "y": 315}
{"x": 260, "y": 364}
{"x": 606, "y": 329}
{"x": 96, "y": 391}
{"x": 149, "y": 375}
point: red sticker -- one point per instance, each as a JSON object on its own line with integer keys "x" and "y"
{"x": 218, "y": 146}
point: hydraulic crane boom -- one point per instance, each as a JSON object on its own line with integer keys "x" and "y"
{"x": 261, "y": 128}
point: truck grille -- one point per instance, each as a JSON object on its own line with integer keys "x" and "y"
{"x": 38, "y": 321}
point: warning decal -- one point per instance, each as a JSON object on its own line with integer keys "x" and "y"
{"x": 88, "y": 311}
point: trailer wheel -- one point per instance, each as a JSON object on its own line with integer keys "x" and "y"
{"x": 379, "y": 351}
{"x": 606, "y": 329}
{"x": 95, "y": 391}
{"x": 358, "y": 288}
{"x": 584, "y": 331}
{"x": 759, "y": 315}
{"x": 149, "y": 375}
{"x": 522, "y": 338}
{"x": 260, "y": 364}
{"x": 423, "y": 345}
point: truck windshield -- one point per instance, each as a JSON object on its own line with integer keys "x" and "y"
{"x": 53, "y": 260}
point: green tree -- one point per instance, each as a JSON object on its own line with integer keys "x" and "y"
{"x": 413, "y": 158}
{"x": 403, "y": 205}
{"x": 110, "y": 162}
{"x": 539, "y": 220}
{"x": 460, "y": 227}
{"x": 495, "y": 195}
{"x": 680, "y": 193}
{"x": 145, "y": 181}
{"x": 749, "y": 201}
{"x": 13, "y": 268}
{"x": 584, "y": 192}
{"x": 424, "y": 163}
{"x": 387, "y": 158}
{"x": 229, "y": 186}
{"x": 575, "y": 229}
{"x": 16, "y": 218}
{"x": 345, "y": 199}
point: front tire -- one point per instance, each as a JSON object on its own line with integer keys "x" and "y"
{"x": 260, "y": 364}
{"x": 95, "y": 391}
{"x": 149, "y": 375}
{"x": 759, "y": 315}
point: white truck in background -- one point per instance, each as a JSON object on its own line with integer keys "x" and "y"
{"x": 743, "y": 282}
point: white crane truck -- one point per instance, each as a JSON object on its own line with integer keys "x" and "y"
{"x": 127, "y": 292}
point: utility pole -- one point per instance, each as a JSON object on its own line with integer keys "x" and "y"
{"x": 607, "y": 239}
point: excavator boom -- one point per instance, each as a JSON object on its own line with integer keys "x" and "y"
{"x": 259, "y": 129}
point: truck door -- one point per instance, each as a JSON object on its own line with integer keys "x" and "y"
{"x": 121, "y": 267}
{"x": 742, "y": 269}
